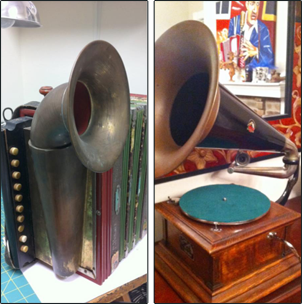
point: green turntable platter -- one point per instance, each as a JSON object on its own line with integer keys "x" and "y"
{"x": 224, "y": 204}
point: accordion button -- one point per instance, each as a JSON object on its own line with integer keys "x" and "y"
{"x": 19, "y": 197}
{"x": 15, "y": 163}
{"x": 23, "y": 238}
{"x": 19, "y": 208}
{"x": 17, "y": 187}
{"x": 24, "y": 248}
{"x": 16, "y": 175}
{"x": 20, "y": 218}
{"x": 14, "y": 151}
{"x": 21, "y": 228}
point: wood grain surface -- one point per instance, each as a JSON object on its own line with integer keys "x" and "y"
{"x": 121, "y": 291}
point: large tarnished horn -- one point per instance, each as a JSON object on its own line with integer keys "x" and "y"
{"x": 193, "y": 110}
{"x": 82, "y": 123}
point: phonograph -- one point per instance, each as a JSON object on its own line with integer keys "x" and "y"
{"x": 222, "y": 243}
{"x": 56, "y": 162}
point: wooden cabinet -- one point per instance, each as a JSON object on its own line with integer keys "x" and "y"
{"x": 236, "y": 265}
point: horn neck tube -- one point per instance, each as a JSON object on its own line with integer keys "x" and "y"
{"x": 49, "y": 126}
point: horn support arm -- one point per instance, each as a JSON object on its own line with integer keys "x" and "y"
{"x": 278, "y": 172}
{"x": 290, "y": 170}
{"x": 291, "y": 164}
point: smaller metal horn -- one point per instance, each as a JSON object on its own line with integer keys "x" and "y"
{"x": 82, "y": 123}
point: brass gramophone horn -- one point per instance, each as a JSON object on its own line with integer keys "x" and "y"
{"x": 80, "y": 123}
{"x": 192, "y": 109}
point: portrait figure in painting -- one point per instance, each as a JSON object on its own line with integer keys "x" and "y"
{"x": 257, "y": 48}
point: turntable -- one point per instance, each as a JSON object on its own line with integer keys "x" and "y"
{"x": 224, "y": 204}
{"x": 222, "y": 243}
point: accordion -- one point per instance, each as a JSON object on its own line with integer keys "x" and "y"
{"x": 74, "y": 170}
{"x": 115, "y": 202}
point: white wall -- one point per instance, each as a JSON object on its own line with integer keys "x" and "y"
{"x": 169, "y": 13}
{"x": 49, "y": 52}
{"x": 35, "y": 57}
{"x": 194, "y": 7}
{"x": 11, "y": 81}
{"x": 123, "y": 24}
{"x": 271, "y": 187}
{"x": 151, "y": 21}
{"x": 281, "y": 36}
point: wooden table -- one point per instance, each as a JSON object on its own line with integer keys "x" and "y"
{"x": 121, "y": 293}
{"x": 291, "y": 293}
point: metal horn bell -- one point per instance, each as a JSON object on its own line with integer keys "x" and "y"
{"x": 82, "y": 123}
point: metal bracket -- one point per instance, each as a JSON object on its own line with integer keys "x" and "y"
{"x": 117, "y": 199}
{"x": 7, "y": 254}
{"x": 216, "y": 228}
{"x": 173, "y": 201}
{"x": 88, "y": 272}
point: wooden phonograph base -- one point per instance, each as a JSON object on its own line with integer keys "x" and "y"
{"x": 233, "y": 264}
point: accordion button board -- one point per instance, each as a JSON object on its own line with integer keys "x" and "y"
{"x": 16, "y": 195}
